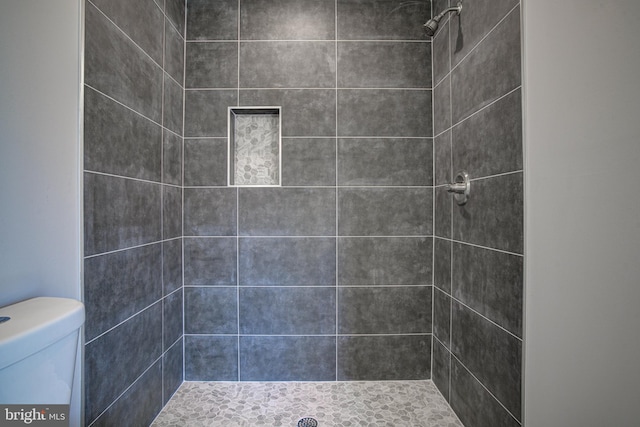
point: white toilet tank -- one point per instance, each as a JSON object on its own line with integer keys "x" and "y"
{"x": 38, "y": 350}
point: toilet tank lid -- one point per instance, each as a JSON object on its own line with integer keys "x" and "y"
{"x": 36, "y": 324}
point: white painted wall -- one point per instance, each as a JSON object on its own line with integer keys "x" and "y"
{"x": 40, "y": 145}
{"x": 582, "y": 139}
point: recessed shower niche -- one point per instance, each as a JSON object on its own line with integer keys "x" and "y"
{"x": 254, "y": 151}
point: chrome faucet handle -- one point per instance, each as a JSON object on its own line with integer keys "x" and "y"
{"x": 461, "y": 187}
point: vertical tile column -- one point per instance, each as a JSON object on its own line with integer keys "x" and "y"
{"x": 132, "y": 208}
{"x": 479, "y": 247}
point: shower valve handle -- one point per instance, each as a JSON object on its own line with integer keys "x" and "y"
{"x": 461, "y": 187}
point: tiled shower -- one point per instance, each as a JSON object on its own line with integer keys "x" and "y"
{"x": 360, "y": 267}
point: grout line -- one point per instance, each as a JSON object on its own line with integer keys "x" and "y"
{"x": 122, "y": 322}
{"x": 415, "y": 334}
{"x": 162, "y": 200}
{"x": 130, "y": 178}
{"x": 479, "y": 246}
{"x": 238, "y": 204}
{"x": 327, "y": 88}
{"x": 337, "y": 213}
{"x": 129, "y": 248}
{"x": 473, "y": 310}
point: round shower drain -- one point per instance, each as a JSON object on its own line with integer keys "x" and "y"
{"x": 307, "y": 422}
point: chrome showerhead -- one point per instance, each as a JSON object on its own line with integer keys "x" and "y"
{"x": 432, "y": 24}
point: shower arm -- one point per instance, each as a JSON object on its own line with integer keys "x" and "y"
{"x": 457, "y": 9}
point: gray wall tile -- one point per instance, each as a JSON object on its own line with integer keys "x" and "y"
{"x": 442, "y": 219}
{"x": 205, "y": 162}
{"x": 176, "y": 11}
{"x": 119, "y": 213}
{"x": 209, "y": 211}
{"x": 118, "y": 68}
{"x": 490, "y": 142}
{"x": 171, "y": 212}
{"x": 288, "y": 311}
{"x": 210, "y": 261}
{"x": 441, "y": 364}
{"x": 304, "y": 358}
{"x": 171, "y": 158}
{"x": 212, "y": 20}
{"x": 211, "y": 65}
{"x": 384, "y": 261}
{"x": 205, "y": 112}
{"x": 442, "y": 153}
{"x": 385, "y": 211}
{"x": 172, "y": 377}
{"x": 120, "y": 284}
{"x": 381, "y": 20}
{"x": 308, "y": 161}
{"x": 391, "y": 357}
{"x": 172, "y": 311}
{"x": 384, "y": 310}
{"x": 493, "y": 217}
{"x": 442, "y": 316}
{"x": 287, "y": 20}
{"x": 210, "y": 358}
{"x": 286, "y": 212}
{"x": 442, "y": 264}
{"x": 210, "y": 310}
{"x": 305, "y": 112}
{"x": 287, "y": 261}
{"x": 384, "y": 112}
{"x": 384, "y": 161}
{"x": 491, "y": 354}
{"x": 442, "y": 106}
{"x": 141, "y": 20}
{"x": 490, "y": 70}
{"x": 174, "y": 53}
{"x": 440, "y": 52}
{"x": 490, "y": 282}
{"x": 109, "y": 129}
{"x": 139, "y": 405}
{"x": 117, "y": 358}
{"x": 173, "y": 105}
{"x": 473, "y": 404}
{"x": 297, "y": 64}
{"x": 171, "y": 265}
{"x": 384, "y": 64}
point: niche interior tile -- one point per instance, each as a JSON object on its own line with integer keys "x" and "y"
{"x": 139, "y": 405}
{"x": 442, "y": 264}
{"x": 489, "y": 71}
{"x": 212, "y": 65}
{"x": 384, "y": 310}
{"x": 172, "y": 362}
{"x": 210, "y": 261}
{"x": 119, "y": 213}
{"x": 286, "y": 212}
{"x": 371, "y": 261}
{"x": 385, "y": 161}
{"x": 491, "y": 354}
{"x": 120, "y": 284}
{"x": 171, "y": 212}
{"x": 287, "y": 261}
{"x": 141, "y": 20}
{"x": 441, "y": 367}
{"x": 442, "y": 152}
{"x": 176, "y": 10}
{"x": 210, "y": 310}
{"x": 385, "y": 211}
{"x": 441, "y": 316}
{"x": 308, "y": 161}
{"x": 171, "y": 265}
{"x": 212, "y": 20}
{"x": 493, "y": 217}
{"x": 442, "y": 106}
{"x": 210, "y": 358}
{"x": 379, "y": 358}
{"x": 287, "y": 64}
{"x": 174, "y": 53}
{"x": 287, "y": 20}
{"x": 298, "y": 358}
{"x": 477, "y": 19}
{"x": 490, "y": 282}
{"x": 287, "y": 311}
{"x": 109, "y": 129}
{"x": 384, "y": 112}
{"x": 114, "y": 360}
{"x": 173, "y": 105}
{"x": 384, "y": 64}
{"x": 205, "y": 112}
{"x": 381, "y": 20}
{"x": 490, "y": 142}
{"x": 119, "y": 69}
{"x": 305, "y": 112}
{"x": 209, "y": 211}
{"x": 473, "y": 404}
{"x": 205, "y": 162}
{"x": 171, "y": 158}
{"x": 172, "y": 318}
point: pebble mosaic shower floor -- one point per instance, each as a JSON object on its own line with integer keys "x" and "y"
{"x": 332, "y": 404}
